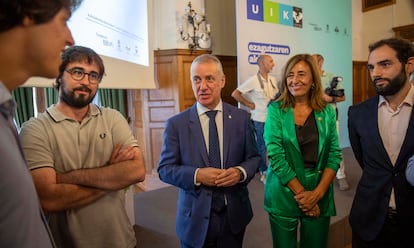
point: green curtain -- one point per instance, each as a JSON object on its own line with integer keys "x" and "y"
{"x": 114, "y": 99}
{"x": 51, "y": 96}
{"x": 24, "y": 99}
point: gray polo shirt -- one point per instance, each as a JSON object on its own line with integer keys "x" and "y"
{"x": 54, "y": 140}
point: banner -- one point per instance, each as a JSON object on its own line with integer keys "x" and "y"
{"x": 284, "y": 28}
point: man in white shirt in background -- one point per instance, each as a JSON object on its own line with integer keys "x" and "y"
{"x": 256, "y": 93}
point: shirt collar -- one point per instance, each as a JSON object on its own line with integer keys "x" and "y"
{"x": 58, "y": 116}
{"x": 7, "y": 103}
{"x": 202, "y": 109}
{"x": 4, "y": 94}
{"x": 409, "y": 98}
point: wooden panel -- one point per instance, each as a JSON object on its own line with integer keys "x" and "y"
{"x": 156, "y": 144}
{"x": 164, "y": 69}
{"x": 161, "y": 114}
{"x": 230, "y": 70}
{"x": 362, "y": 87}
{"x": 187, "y": 94}
{"x": 406, "y": 32}
{"x": 138, "y": 116}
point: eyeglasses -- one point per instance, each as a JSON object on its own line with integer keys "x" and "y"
{"x": 78, "y": 74}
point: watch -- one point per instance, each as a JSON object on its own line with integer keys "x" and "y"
{"x": 241, "y": 174}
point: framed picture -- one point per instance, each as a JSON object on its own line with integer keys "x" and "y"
{"x": 375, "y": 4}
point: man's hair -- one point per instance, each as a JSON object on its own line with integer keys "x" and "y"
{"x": 207, "y": 58}
{"x": 12, "y": 12}
{"x": 79, "y": 54}
{"x": 316, "y": 98}
{"x": 404, "y": 48}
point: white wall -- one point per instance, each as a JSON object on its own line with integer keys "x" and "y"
{"x": 165, "y": 26}
{"x": 168, "y": 15}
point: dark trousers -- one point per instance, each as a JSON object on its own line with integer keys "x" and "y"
{"x": 261, "y": 147}
{"x": 396, "y": 233}
{"x": 219, "y": 234}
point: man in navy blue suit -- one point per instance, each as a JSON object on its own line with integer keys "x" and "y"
{"x": 184, "y": 162}
{"x": 381, "y": 132}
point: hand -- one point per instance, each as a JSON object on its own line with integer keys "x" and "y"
{"x": 119, "y": 156}
{"x": 327, "y": 98}
{"x": 211, "y": 176}
{"x": 228, "y": 177}
{"x": 208, "y": 175}
{"x": 252, "y": 106}
{"x": 315, "y": 212}
{"x": 307, "y": 200}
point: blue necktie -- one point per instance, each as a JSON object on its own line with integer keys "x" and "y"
{"x": 217, "y": 203}
{"x": 213, "y": 141}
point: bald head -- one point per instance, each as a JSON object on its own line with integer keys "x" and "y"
{"x": 265, "y": 63}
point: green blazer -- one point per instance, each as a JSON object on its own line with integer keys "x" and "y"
{"x": 286, "y": 160}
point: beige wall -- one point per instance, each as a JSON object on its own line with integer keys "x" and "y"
{"x": 373, "y": 25}
{"x": 167, "y": 16}
{"x": 222, "y": 16}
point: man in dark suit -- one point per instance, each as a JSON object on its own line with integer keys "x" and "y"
{"x": 213, "y": 202}
{"x": 381, "y": 132}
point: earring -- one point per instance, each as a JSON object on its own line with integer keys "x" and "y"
{"x": 312, "y": 86}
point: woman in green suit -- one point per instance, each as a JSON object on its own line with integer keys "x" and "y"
{"x": 302, "y": 145}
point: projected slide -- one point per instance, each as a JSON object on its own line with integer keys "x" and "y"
{"x": 114, "y": 28}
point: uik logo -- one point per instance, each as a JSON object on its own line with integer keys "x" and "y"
{"x": 273, "y": 12}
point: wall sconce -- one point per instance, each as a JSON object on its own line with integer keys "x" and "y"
{"x": 197, "y": 31}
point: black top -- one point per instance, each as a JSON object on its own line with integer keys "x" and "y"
{"x": 308, "y": 138}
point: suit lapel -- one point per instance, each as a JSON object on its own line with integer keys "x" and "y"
{"x": 322, "y": 129}
{"x": 197, "y": 133}
{"x": 289, "y": 123}
{"x": 227, "y": 124}
{"x": 407, "y": 147}
{"x": 371, "y": 126}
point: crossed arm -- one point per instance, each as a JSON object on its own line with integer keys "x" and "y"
{"x": 83, "y": 186}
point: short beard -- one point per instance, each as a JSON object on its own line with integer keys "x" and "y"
{"x": 77, "y": 102}
{"x": 394, "y": 85}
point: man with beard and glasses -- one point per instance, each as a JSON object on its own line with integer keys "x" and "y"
{"x": 81, "y": 158}
{"x": 381, "y": 132}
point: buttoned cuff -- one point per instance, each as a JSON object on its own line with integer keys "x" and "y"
{"x": 195, "y": 178}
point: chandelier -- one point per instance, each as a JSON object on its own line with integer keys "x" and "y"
{"x": 197, "y": 30}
